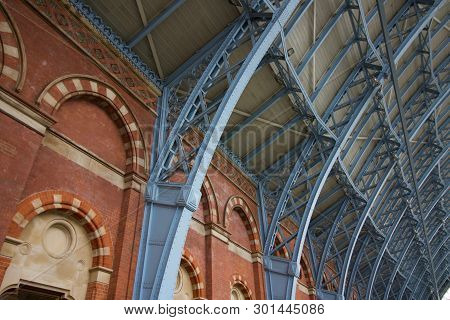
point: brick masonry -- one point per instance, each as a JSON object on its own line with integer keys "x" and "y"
{"x": 97, "y": 291}
{"x": 61, "y": 82}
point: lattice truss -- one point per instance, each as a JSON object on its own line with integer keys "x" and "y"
{"x": 364, "y": 244}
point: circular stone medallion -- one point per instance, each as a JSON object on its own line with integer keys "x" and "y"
{"x": 59, "y": 238}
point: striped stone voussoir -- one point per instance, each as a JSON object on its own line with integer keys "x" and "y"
{"x": 66, "y": 87}
{"x": 198, "y": 284}
{"x": 13, "y": 64}
{"x": 246, "y": 215}
{"x": 72, "y": 205}
{"x": 210, "y": 212}
{"x": 239, "y": 282}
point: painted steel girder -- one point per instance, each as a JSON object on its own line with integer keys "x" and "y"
{"x": 412, "y": 271}
{"x": 440, "y": 238}
{"x": 343, "y": 52}
{"x": 369, "y": 242}
{"x": 427, "y": 168}
{"x": 300, "y": 67}
{"x": 441, "y": 247}
{"x": 170, "y": 205}
{"x": 287, "y": 74}
{"x": 352, "y": 243}
{"x": 322, "y": 36}
{"x": 396, "y": 268}
{"x": 395, "y": 195}
{"x": 283, "y": 91}
{"x": 212, "y": 69}
{"x": 413, "y": 77}
{"x": 152, "y": 24}
{"x": 370, "y": 286}
{"x": 417, "y": 284}
{"x": 430, "y": 182}
{"x": 361, "y": 252}
{"x": 384, "y": 273}
{"x": 401, "y": 259}
{"x": 365, "y": 246}
{"x": 442, "y": 276}
{"x": 374, "y": 271}
{"x": 444, "y": 282}
{"x": 432, "y": 146}
{"x": 308, "y": 146}
{"x": 362, "y": 150}
{"x": 422, "y": 23}
{"x": 420, "y": 277}
{"x": 444, "y": 288}
{"x": 424, "y": 117}
{"x": 380, "y": 219}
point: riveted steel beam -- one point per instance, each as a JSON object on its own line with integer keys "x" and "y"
{"x": 294, "y": 169}
{"x": 155, "y": 22}
{"x": 170, "y": 204}
{"x": 362, "y": 219}
{"x": 394, "y": 77}
{"x": 318, "y": 221}
{"x": 270, "y": 102}
{"x": 425, "y": 176}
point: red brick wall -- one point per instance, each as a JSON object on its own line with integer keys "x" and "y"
{"x": 238, "y": 230}
{"x": 28, "y": 167}
{"x": 18, "y": 149}
{"x": 66, "y": 175}
{"x": 97, "y": 291}
{"x": 92, "y": 127}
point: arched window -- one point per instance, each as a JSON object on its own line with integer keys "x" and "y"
{"x": 183, "y": 287}
{"x": 239, "y": 228}
{"x": 239, "y": 292}
{"x": 52, "y": 261}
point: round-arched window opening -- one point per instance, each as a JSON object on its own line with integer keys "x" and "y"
{"x": 59, "y": 239}
{"x": 237, "y": 293}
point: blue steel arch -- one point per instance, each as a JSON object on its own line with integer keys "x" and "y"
{"x": 423, "y": 20}
{"x": 170, "y": 205}
{"x": 422, "y": 166}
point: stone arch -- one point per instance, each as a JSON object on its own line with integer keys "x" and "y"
{"x": 198, "y": 284}
{"x": 66, "y": 87}
{"x": 13, "y": 63}
{"x": 89, "y": 217}
{"x": 242, "y": 284}
{"x": 246, "y": 215}
{"x": 211, "y": 214}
